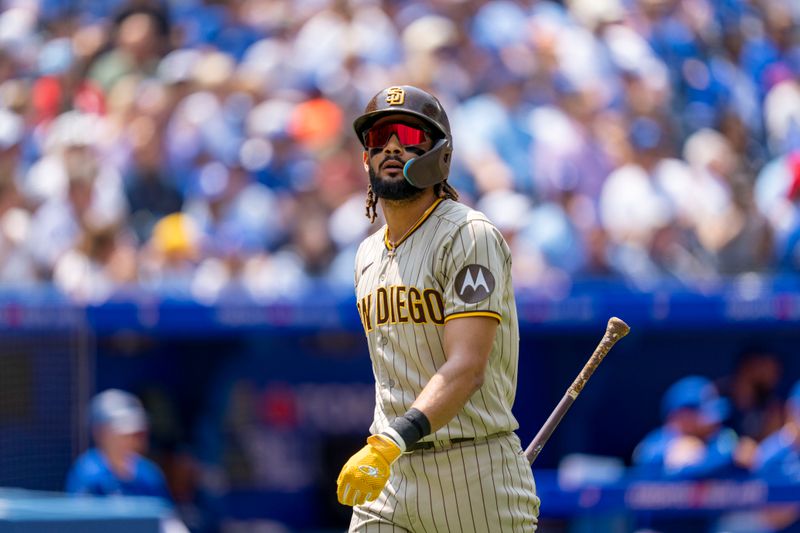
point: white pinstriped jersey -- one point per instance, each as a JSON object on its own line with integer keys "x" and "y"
{"x": 453, "y": 263}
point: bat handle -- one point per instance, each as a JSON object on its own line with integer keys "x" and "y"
{"x": 538, "y": 442}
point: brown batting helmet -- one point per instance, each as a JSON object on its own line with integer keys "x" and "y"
{"x": 434, "y": 165}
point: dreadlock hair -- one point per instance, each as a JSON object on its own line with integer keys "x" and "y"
{"x": 440, "y": 190}
{"x": 372, "y": 201}
{"x": 445, "y": 190}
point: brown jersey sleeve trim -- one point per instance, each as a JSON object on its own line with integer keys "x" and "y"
{"x": 490, "y": 314}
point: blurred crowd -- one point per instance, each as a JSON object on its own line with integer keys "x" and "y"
{"x": 740, "y": 425}
{"x": 204, "y": 148}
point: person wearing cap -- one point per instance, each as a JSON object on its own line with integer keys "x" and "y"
{"x": 692, "y": 443}
{"x": 115, "y": 465}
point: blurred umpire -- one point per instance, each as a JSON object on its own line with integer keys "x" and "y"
{"x": 435, "y": 298}
{"x": 115, "y": 464}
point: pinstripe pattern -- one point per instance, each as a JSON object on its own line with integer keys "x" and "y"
{"x": 482, "y": 487}
{"x": 405, "y": 296}
{"x": 405, "y": 355}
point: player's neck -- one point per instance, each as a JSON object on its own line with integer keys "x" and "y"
{"x": 402, "y": 215}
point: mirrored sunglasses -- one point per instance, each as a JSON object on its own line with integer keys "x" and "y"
{"x": 378, "y": 136}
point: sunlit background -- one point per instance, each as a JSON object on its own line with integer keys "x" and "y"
{"x": 182, "y": 195}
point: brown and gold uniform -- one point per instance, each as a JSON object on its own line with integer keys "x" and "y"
{"x": 453, "y": 263}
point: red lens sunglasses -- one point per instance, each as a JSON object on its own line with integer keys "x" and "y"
{"x": 378, "y": 136}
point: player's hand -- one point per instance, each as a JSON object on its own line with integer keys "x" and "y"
{"x": 684, "y": 451}
{"x": 363, "y": 477}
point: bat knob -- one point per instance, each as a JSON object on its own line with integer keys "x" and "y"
{"x": 617, "y": 328}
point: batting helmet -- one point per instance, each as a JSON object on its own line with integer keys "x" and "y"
{"x": 434, "y": 165}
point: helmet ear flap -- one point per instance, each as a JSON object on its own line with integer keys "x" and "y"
{"x": 430, "y": 168}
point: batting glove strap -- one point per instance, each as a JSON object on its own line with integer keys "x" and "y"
{"x": 395, "y": 437}
{"x": 388, "y": 449}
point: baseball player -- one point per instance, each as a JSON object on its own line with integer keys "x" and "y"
{"x": 116, "y": 464}
{"x": 434, "y": 294}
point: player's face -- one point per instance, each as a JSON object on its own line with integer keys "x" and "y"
{"x": 392, "y": 141}
{"x": 122, "y": 444}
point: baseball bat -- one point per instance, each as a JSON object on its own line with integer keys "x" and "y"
{"x": 615, "y": 330}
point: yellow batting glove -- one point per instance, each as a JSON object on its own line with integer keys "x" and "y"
{"x": 363, "y": 477}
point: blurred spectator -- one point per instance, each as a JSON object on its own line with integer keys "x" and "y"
{"x": 150, "y": 191}
{"x": 648, "y": 242}
{"x": 778, "y": 199}
{"x": 102, "y": 261}
{"x": 752, "y": 391}
{"x": 116, "y": 464}
{"x": 169, "y": 258}
{"x": 139, "y": 40}
{"x": 510, "y": 211}
{"x": 778, "y": 460}
{"x": 693, "y": 442}
{"x": 16, "y": 264}
{"x": 779, "y": 454}
{"x": 61, "y": 85}
{"x": 767, "y": 56}
{"x": 717, "y": 203}
{"x": 655, "y": 140}
{"x": 311, "y": 246}
{"x": 78, "y": 191}
{"x": 496, "y": 147}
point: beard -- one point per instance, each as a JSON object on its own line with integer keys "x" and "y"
{"x": 392, "y": 189}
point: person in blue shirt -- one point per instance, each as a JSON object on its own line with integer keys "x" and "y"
{"x": 115, "y": 465}
{"x": 778, "y": 455}
{"x": 777, "y": 460}
{"x": 692, "y": 443}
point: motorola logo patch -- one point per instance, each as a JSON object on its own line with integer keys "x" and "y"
{"x": 474, "y": 283}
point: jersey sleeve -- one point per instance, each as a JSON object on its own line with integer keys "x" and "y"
{"x": 475, "y": 271}
{"x": 83, "y": 478}
{"x": 153, "y": 481}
